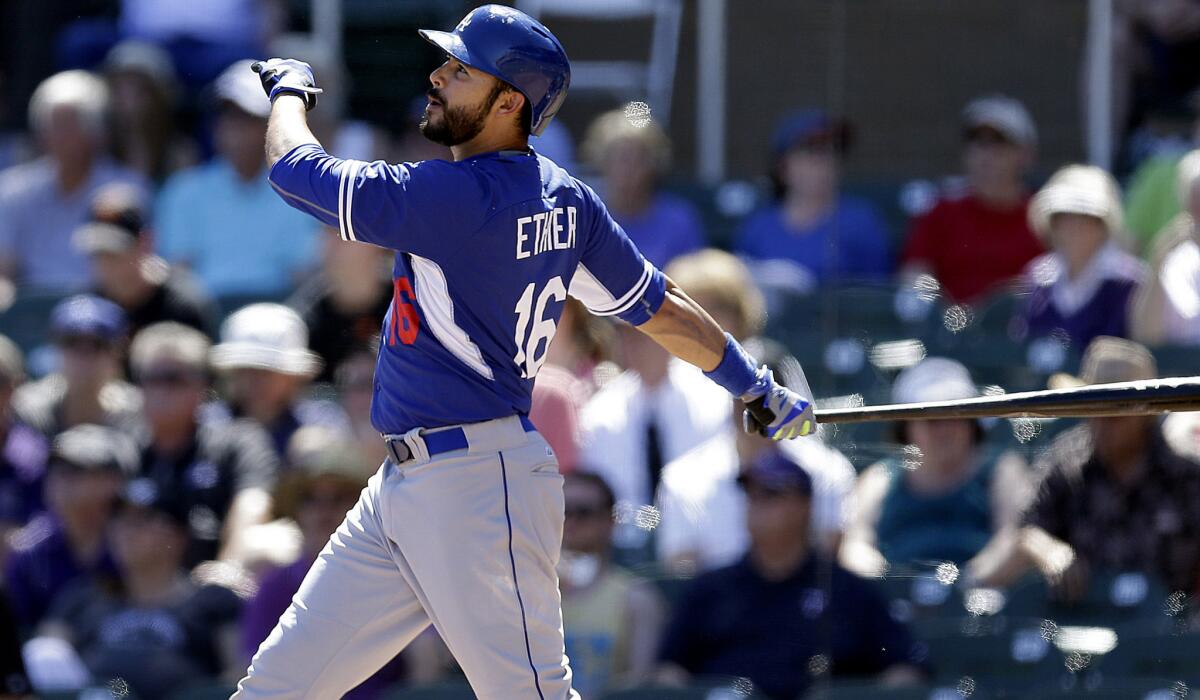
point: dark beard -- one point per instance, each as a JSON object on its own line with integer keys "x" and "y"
{"x": 459, "y": 124}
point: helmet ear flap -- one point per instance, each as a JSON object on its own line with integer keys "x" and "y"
{"x": 548, "y": 113}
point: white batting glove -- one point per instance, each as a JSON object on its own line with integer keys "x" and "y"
{"x": 280, "y": 75}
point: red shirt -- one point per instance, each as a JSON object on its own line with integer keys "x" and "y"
{"x": 971, "y": 247}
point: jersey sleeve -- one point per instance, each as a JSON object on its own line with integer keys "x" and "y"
{"x": 408, "y": 207}
{"x": 613, "y": 278}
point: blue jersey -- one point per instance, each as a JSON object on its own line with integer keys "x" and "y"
{"x": 487, "y": 251}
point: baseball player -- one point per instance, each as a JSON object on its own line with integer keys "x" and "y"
{"x": 462, "y": 524}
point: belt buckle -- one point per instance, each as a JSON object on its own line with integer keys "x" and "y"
{"x": 398, "y": 450}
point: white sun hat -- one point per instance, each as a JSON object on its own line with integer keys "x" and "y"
{"x": 1078, "y": 189}
{"x": 265, "y": 336}
{"x": 934, "y": 379}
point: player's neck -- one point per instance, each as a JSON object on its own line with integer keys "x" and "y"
{"x": 490, "y": 141}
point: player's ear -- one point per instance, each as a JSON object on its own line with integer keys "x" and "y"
{"x": 510, "y": 102}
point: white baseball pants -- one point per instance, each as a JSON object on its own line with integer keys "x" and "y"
{"x": 467, "y": 541}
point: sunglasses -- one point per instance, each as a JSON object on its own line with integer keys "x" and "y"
{"x": 586, "y": 511}
{"x": 170, "y": 378}
{"x": 84, "y": 344}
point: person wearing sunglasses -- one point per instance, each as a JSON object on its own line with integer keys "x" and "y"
{"x": 612, "y": 619}
{"x": 783, "y": 604}
{"x": 223, "y": 471}
{"x": 89, "y": 334}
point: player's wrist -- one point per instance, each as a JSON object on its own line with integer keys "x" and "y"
{"x": 737, "y": 372}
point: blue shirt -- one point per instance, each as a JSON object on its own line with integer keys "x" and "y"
{"x": 851, "y": 243}
{"x": 487, "y": 250}
{"x": 236, "y": 235}
{"x": 42, "y": 565}
{"x": 668, "y": 228}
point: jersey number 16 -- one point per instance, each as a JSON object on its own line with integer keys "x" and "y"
{"x": 530, "y": 340}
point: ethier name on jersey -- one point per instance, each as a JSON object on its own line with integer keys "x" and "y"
{"x": 544, "y": 232}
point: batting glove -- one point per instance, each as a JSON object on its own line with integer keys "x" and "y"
{"x": 287, "y": 75}
{"x": 775, "y": 411}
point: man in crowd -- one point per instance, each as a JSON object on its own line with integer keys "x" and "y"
{"x": 126, "y": 271}
{"x": 611, "y": 619}
{"x": 703, "y": 509}
{"x": 156, "y": 629}
{"x": 1115, "y": 495}
{"x": 264, "y": 357}
{"x": 23, "y": 452}
{"x": 89, "y": 333}
{"x": 221, "y": 471}
{"x": 228, "y": 205}
{"x": 977, "y": 239}
{"x": 44, "y": 201}
{"x": 88, "y": 466}
{"x": 783, "y": 614}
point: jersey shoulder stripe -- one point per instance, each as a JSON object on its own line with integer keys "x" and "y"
{"x": 599, "y": 300}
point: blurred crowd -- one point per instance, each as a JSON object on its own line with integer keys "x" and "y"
{"x": 193, "y": 421}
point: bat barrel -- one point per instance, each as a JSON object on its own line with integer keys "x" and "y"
{"x": 1120, "y": 399}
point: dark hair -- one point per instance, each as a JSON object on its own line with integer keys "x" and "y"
{"x": 594, "y": 479}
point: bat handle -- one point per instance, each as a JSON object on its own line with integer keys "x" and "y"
{"x": 757, "y": 415}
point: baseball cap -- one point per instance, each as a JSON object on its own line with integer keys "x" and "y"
{"x": 1107, "y": 360}
{"x": 934, "y": 379}
{"x": 1004, "y": 114}
{"x": 94, "y": 448}
{"x": 145, "y": 494}
{"x": 88, "y": 315}
{"x": 117, "y": 221}
{"x": 776, "y": 471}
{"x": 144, "y": 58}
{"x": 240, "y": 85}
{"x": 265, "y": 336}
{"x": 808, "y": 127}
{"x": 1078, "y": 189}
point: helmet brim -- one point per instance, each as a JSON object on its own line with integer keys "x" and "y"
{"x": 453, "y": 45}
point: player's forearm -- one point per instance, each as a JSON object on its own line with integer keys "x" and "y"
{"x": 287, "y": 127}
{"x": 685, "y": 330}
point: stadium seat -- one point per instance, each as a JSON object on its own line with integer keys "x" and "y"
{"x": 1003, "y": 662}
{"x": 715, "y": 690}
{"x": 1115, "y": 599}
{"x": 25, "y": 322}
{"x": 1119, "y": 689}
{"x": 859, "y": 690}
{"x": 1151, "y": 653}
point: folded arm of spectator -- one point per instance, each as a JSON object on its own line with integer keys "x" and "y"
{"x": 1057, "y": 561}
{"x": 859, "y": 551}
{"x": 250, "y": 507}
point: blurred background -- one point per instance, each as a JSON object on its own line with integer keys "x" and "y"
{"x": 910, "y": 200}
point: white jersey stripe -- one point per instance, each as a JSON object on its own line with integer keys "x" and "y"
{"x": 352, "y": 166}
{"x": 434, "y": 298}
{"x": 341, "y": 202}
{"x": 599, "y": 300}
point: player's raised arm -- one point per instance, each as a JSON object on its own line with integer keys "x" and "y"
{"x": 686, "y": 330}
{"x": 292, "y": 89}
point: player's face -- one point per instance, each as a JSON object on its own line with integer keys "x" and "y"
{"x": 460, "y": 100}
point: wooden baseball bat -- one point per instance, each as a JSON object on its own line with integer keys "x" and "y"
{"x": 1120, "y": 399}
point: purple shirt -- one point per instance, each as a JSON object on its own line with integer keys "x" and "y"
{"x": 41, "y": 566}
{"x": 275, "y": 591}
{"x": 668, "y": 228}
{"x": 23, "y": 454}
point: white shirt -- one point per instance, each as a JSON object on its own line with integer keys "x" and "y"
{"x": 1180, "y": 280}
{"x": 703, "y": 510}
{"x": 688, "y": 409}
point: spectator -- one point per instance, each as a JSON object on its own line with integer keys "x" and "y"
{"x": 23, "y": 453}
{"x": 652, "y": 413}
{"x": 88, "y": 466}
{"x": 224, "y": 206}
{"x": 343, "y": 305}
{"x": 1084, "y": 286}
{"x": 14, "y": 683}
{"x": 611, "y": 619}
{"x": 952, "y": 499}
{"x": 221, "y": 473}
{"x": 1153, "y": 196}
{"x": 326, "y": 475}
{"x": 119, "y": 243}
{"x": 978, "y": 239}
{"x": 154, "y": 628}
{"x": 767, "y": 616}
{"x": 142, "y": 83}
{"x": 1115, "y": 495}
{"x": 44, "y": 201}
{"x": 704, "y": 511}
{"x": 633, "y": 154}
{"x": 585, "y": 346}
{"x": 264, "y": 357}
{"x": 355, "y": 383}
{"x": 722, "y": 285}
{"x": 1166, "y": 308}
{"x": 89, "y": 333}
{"x": 829, "y": 236}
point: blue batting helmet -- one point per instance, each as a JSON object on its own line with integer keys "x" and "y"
{"x": 515, "y": 48}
